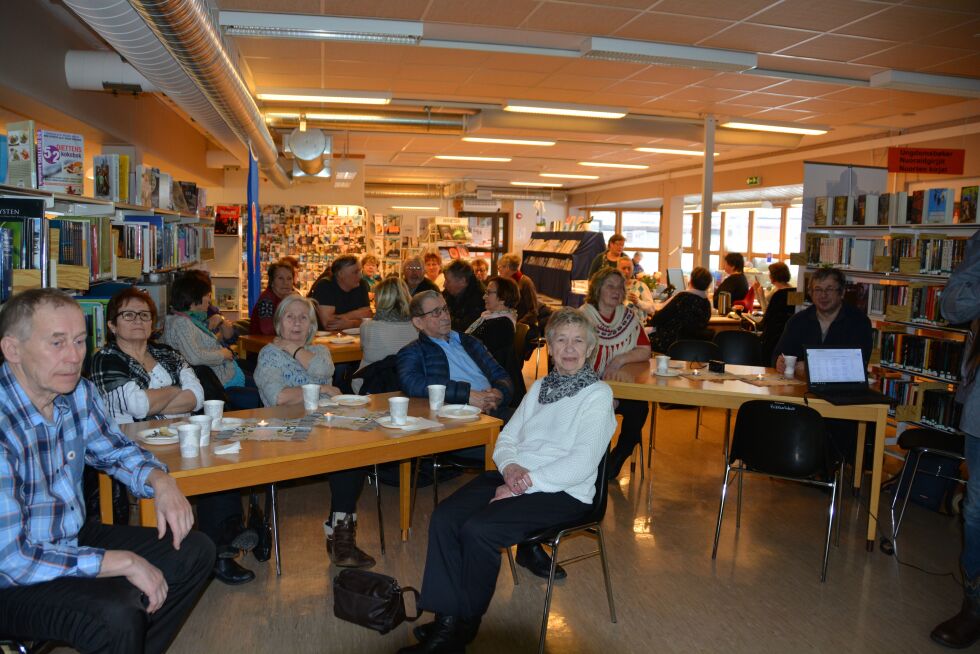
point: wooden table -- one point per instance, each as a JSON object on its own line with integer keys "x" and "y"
{"x": 327, "y": 449}
{"x": 344, "y": 353}
{"x": 636, "y": 381}
{"x": 723, "y": 323}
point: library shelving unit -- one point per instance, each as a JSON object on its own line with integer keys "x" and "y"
{"x": 896, "y": 271}
{"x": 554, "y": 259}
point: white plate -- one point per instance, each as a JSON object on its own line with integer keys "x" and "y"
{"x": 159, "y": 436}
{"x": 323, "y": 334}
{"x": 669, "y": 373}
{"x": 385, "y": 421}
{"x": 340, "y": 340}
{"x": 353, "y": 331}
{"x": 459, "y": 412}
{"x": 229, "y": 423}
{"x": 350, "y": 400}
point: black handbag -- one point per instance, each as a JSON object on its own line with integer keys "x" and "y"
{"x": 371, "y": 600}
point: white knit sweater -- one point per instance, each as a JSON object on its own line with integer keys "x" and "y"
{"x": 560, "y": 443}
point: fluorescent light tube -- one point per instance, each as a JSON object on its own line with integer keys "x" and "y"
{"x": 603, "y": 164}
{"x": 553, "y": 109}
{"x": 688, "y": 153}
{"x": 329, "y": 28}
{"x": 323, "y": 95}
{"x": 454, "y": 157}
{"x": 667, "y": 54}
{"x": 926, "y": 83}
{"x": 782, "y": 129}
{"x": 568, "y": 176}
{"x": 505, "y": 141}
{"x": 409, "y": 208}
{"x": 544, "y": 184}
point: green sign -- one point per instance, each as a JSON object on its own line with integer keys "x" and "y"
{"x": 753, "y": 181}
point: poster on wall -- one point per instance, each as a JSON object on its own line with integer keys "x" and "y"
{"x": 60, "y": 162}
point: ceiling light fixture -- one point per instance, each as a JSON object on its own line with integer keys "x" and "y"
{"x": 744, "y": 204}
{"x": 323, "y": 95}
{"x": 666, "y": 54}
{"x": 542, "y": 184}
{"x": 568, "y": 176}
{"x": 554, "y": 109}
{"x": 770, "y": 127}
{"x": 455, "y": 157}
{"x": 925, "y": 83}
{"x": 282, "y": 114}
{"x": 340, "y": 118}
{"x": 603, "y": 164}
{"x": 688, "y": 153}
{"x": 410, "y": 208}
{"x": 327, "y": 28}
{"x": 504, "y": 141}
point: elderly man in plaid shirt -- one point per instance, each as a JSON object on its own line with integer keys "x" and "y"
{"x": 100, "y": 588}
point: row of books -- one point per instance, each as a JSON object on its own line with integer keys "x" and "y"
{"x": 563, "y": 246}
{"x": 117, "y": 180}
{"x": 85, "y": 241}
{"x": 900, "y": 390}
{"x": 550, "y": 262}
{"x": 935, "y": 206}
{"x": 927, "y": 254}
{"x": 932, "y": 356}
{"x": 160, "y": 245}
{"x": 940, "y": 409}
{"x": 94, "y": 310}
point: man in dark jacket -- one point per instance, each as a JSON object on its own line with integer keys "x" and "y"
{"x": 442, "y": 355}
{"x": 464, "y": 295}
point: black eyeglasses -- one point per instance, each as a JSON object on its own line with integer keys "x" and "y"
{"x": 437, "y": 312}
{"x": 131, "y": 316}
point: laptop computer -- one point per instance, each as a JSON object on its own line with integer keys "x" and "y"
{"x": 839, "y": 376}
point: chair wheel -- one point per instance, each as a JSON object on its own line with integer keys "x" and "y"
{"x": 886, "y": 547}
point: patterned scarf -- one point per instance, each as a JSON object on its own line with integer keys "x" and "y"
{"x": 556, "y": 386}
{"x": 489, "y": 315}
{"x": 615, "y": 336}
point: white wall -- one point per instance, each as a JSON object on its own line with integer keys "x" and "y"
{"x": 522, "y": 228}
{"x": 302, "y": 193}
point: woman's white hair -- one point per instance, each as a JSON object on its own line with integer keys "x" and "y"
{"x": 284, "y": 306}
{"x": 567, "y": 316}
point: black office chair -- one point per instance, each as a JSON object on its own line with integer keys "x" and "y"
{"x": 24, "y": 646}
{"x": 739, "y": 348}
{"x": 787, "y": 441}
{"x": 698, "y": 351}
{"x": 919, "y": 441}
{"x": 552, "y": 536}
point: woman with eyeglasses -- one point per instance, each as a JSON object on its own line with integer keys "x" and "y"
{"x": 495, "y": 328}
{"x": 143, "y": 380}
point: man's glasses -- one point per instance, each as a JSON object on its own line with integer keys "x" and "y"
{"x": 413, "y": 268}
{"x": 131, "y": 316}
{"x": 438, "y": 312}
{"x": 830, "y": 290}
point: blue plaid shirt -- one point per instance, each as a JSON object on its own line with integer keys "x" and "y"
{"x": 41, "y": 503}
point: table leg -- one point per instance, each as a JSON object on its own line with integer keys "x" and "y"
{"x": 148, "y": 513}
{"x": 652, "y": 441}
{"x": 105, "y": 498}
{"x": 859, "y": 457}
{"x": 877, "y": 463}
{"x": 405, "y": 497}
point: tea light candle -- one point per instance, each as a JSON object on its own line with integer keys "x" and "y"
{"x": 262, "y": 423}
{"x": 696, "y": 372}
{"x": 328, "y": 418}
{"x": 759, "y": 376}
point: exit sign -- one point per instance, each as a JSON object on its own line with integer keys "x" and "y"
{"x": 753, "y": 181}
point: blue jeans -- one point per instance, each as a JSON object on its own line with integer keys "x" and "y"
{"x": 970, "y": 558}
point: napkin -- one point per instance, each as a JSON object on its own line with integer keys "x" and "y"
{"x": 229, "y": 448}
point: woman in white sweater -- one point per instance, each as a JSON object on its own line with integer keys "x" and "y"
{"x": 547, "y": 456}
{"x": 391, "y": 329}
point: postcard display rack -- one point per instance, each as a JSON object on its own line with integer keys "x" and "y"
{"x": 898, "y": 250}
{"x": 450, "y": 236}
{"x": 393, "y": 239}
{"x": 554, "y": 259}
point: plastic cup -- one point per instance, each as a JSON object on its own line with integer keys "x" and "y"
{"x": 205, "y": 423}
{"x": 398, "y": 409}
{"x": 215, "y": 409}
{"x": 437, "y": 396}
{"x": 663, "y": 363}
{"x": 790, "y": 362}
{"x": 311, "y": 396}
{"x": 190, "y": 438}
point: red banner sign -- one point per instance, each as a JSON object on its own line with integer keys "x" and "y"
{"x": 933, "y": 161}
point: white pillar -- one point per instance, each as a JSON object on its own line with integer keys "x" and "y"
{"x": 707, "y": 180}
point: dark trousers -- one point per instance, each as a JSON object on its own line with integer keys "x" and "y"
{"x": 219, "y": 515}
{"x": 345, "y": 488}
{"x": 634, "y": 414}
{"x": 107, "y": 615}
{"x": 466, "y": 534}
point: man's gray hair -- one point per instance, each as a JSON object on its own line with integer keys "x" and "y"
{"x": 284, "y": 305}
{"x": 17, "y": 316}
{"x": 415, "y": 307}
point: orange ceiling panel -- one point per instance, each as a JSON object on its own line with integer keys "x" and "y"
{"x": 671, "y": 28}
{"x": 757, "y": 38}
{"x": 837, "y": 48}
{"x": 902, "y": 23}
{"x": 725, "y": 9}
{"x": 508, "y": 13}
{"x": 824, "y": 17}
{"x": 578, "y": 19}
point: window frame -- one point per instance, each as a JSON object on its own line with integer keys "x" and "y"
{"x": 695, "y": 250}
{"x": 619, "y": 226}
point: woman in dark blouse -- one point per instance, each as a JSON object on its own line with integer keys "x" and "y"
{"x": 685, "y": 316}
{"x": 735, "y": 283}
{"x": 778, "y": 310}
{"x": 495, "y": 328}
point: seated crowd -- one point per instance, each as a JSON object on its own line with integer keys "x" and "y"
{"x": 453, "y": 326}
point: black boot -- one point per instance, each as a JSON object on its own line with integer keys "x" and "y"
{"x": 468, "y": 628}
{"x": 229, "y": 572}
{"x": 342, "y": 546}
{"x": 537, "y": 562}
{"x": 963, "y": 629}
{"x": 447, "y": 635}
{"x": 257, "y": 523}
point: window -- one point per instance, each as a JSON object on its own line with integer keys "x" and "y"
{"x": 641, "y": 227}
{"x": 765, "y": 231}
{"x": 603, "y": 221}
{"x": 736, "y": 231}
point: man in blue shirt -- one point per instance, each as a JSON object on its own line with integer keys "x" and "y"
{"x": 96, "y": 587}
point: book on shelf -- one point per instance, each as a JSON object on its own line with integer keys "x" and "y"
{"x": 4, "y": 154}
{"x": 165, "y": 187}
{"x": 6, "y": 264}
{"x": 940, "y": 409}
{"x": 94, "y": 310}
{"x": 843, "y": 209}
{"x": 923, "y": 354}
{"x": 884, "y": 209}
{"x": 21, "y": 154}
{"x": 968, "y": 204}
{"x": 916, "y": 210}
{"x": 820, "y": 210}
{"x": 106, "y": 171}
{"x": 147, "y": 190}
{"x": 866, "y": 209}
{"x": 24, "y": 217}
{"x": 939, "y": 206}
{"x": 60, "y": 161}
{"x": 226, "y": 219}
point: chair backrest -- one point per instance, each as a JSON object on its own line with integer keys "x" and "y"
{"x": 933, "y": 439}
{"x": 380, "y": 376}
{"x": 520, "y": 339}
{"x": 780, "y": 439}
{"x": 740, "y": 348}
{"x": 691, "y": 350}
{"x": 601, "y": 497}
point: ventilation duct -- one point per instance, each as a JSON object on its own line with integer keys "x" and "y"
{"x": 368, "y": 121}
{"x": 308, "y": 148}
{"x": 548, "y": 195}
{"x": 422, "y": 191}
{"x": 103, "y": 71}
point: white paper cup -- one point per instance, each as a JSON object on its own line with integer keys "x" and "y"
{"x": 311, "y": 396}
{"x": 437, "y": 396}
{"x": 215, "y": 409}
{"x": 398, "y": 408}
{"x": 190, "y": 438}
{"x": 663, "y": 363}
{"x": 205, "y": 423}
{"x": 790, "y": 362}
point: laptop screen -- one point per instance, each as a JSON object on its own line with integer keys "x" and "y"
{"x": 675, "y": 276}
{"x": 835, "y": 366}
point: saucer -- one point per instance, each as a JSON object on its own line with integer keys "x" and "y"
{"x": 228, "y": 423}
{"x": 459, "y": 412}
{"x": 385, "y": 421}
{"x": 353, "y": 331}
{"x": 350, "y": 400}
{"x": 669, "y": 373}
{"x": 340, "y": 340}
{"x": 159, "y": 436}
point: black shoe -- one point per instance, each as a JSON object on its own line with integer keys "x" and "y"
{"x": 963, "y": 629}
{"x": 228, "y": 571}
{"x": 342, "y": 546}
{"x": 468, "y": 628}
{"x": 257, "y": 523}
{"x": 245, "y": 540}
{"x": 447, "y": 636}
{"x": 537, "y": 561}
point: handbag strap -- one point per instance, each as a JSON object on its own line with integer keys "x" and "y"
{"x": 418, "y": 612}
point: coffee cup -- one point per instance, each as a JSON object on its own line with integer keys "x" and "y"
{"x": 437, "y": 396}
{"x": 204, "y": 422}
{"x": 311, "y": 396}
{"x": 215, "y": 409}
{"x": 398, "y": 409}
{"x": 190, "y": 439}
{"x": 790, "y": 362}
{"x": 663, "y": 363}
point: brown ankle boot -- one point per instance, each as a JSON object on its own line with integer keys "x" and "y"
{"x": 342, "y": 546}
{"x": 963, "y": 629}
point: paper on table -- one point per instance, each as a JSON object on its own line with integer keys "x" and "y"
{"x": 229, "y": 448}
